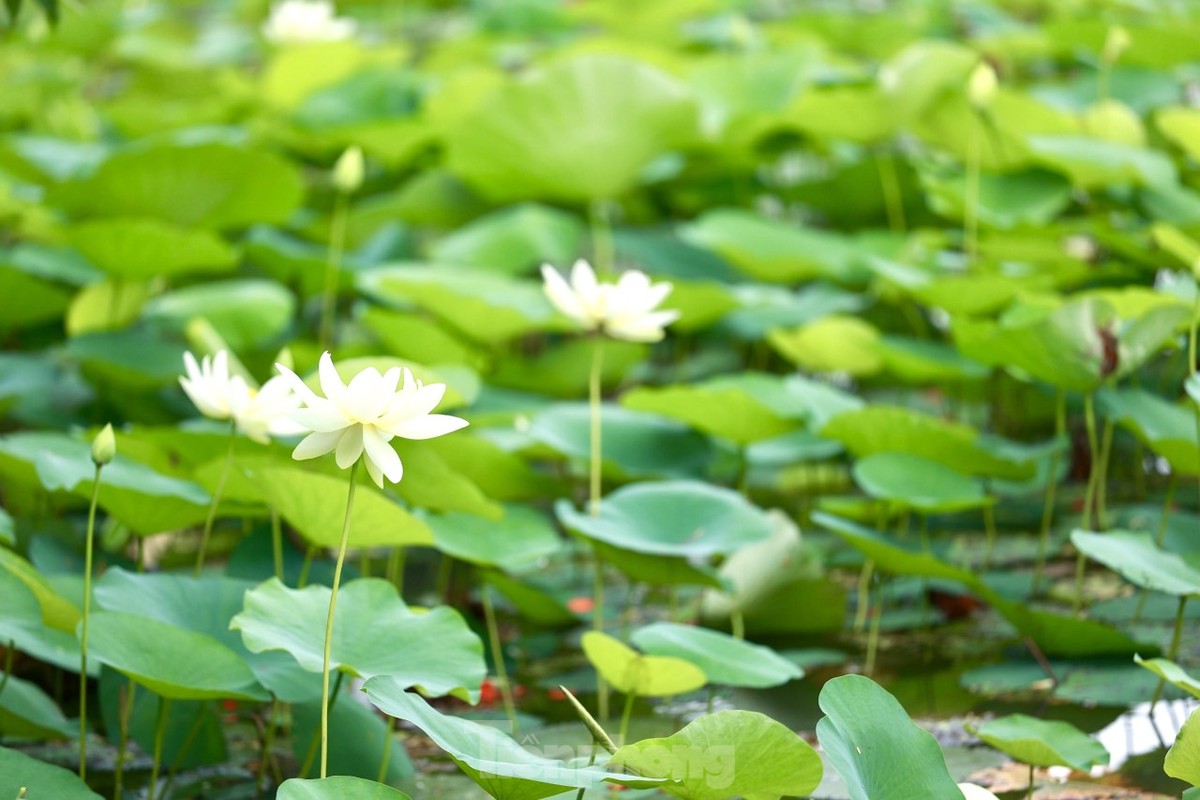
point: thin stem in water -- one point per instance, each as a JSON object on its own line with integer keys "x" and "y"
{"x": 1089, "y": 413}
{"x": 88, "y": 550}
{"x": 160, "y": 735}
{"x": 626, "y": 716}
{"x": 333, "y": 268}
{"x": 337, "y": 580}
{"x": 489, "y": 613}
{"x": 1173, "y": 653}
{"x": 216, "y": 500}
{"x": 1060, "y": 431}
{"x": 277, "y": 542}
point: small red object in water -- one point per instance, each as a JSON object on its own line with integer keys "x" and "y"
{"x": 581, "y": 605}
{"x": 488, "y": 692}
{"x": 954, "y": 606}
{"x": 556, "y": 694}
{"x": 229, "y": 705}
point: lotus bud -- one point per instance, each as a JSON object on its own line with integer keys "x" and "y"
{"x": 1115, "y": 43}
{"x": 104, "y": 446}
{"x": 348, "y": 171}
{"x": 981, "y": 86}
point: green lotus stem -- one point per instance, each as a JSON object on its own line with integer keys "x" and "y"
{"x": 123, "y": 711}
{"x": 277, "y": 543}
{"x": 971, "y": 198}
{"x": 1089, "y": 415}
{"x": 337, "y": 580}
{"x": 712, "y": 699}
{"x": 160, "y": 735}
{"x": 1160, "y": 539}
{"x": 594, "y": 427}
{"x": 333, "y": 268}
{"x": 863, "y": 603}
{"x": 893, "y": 201}
{"x": 873, "y": 634}
{"x": 268, "y": 744}
{"x": 1060, "y": 430}
{"x": 1192, "y": 360}
{"x": 737, "y": 624}
{"x": 489, "y": 613}
{"x": 594, "y": 492}
{"x": 306, "y": 567}
{"x": 395, "y": 569}
{"x": 626, "y": 715}
{"x": 599, "y": 735}
{"x": 598, "y": 624}
{"x": 1102, "y": 477}
{"x": 386, "y": 760}
{"x": 311, "y": 753}
{"x": 1029, "y": 795}
{"x": 603, "y": 251}
{"x": 216, "y": 500}
{"x": 87, "y": 613}
{"x": 1173, "y": 653}
{"x": 989, "y": 525}
{"x": 9, "y": 653}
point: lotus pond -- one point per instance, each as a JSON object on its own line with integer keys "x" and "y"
{"x": 693, "y": 398}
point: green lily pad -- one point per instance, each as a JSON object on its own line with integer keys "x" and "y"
{"x": 727, "y": 754}
{"x": 26, "y": 712}
{"x": 22, "y": 626}
{"x": 315, "y": 505}
{"x": 772, "y": 251}
{"x": 207, "y": 185}
{"x": 671, "y": 518}
{"x": 836, "y": 343}
{"x": 57, "y": 612}
{"x": 563, "y": 369}
{"x": 868, "y": 737}
{"x": 917, "y": 482}
{"x": 141, "y": 498}
{"x": 1172, "y": 673}
{"x": 631, "y": 672}
{"x": 1061, "y": 347}
{"x": 1094, "y": 163}
{"x": 337, "y": 787}
{"x": 501, "y": 767}
{"x": 171, "y": 599}
{"x": 1166, "y": 428}
{"x": 375, "y": 633}
{"x": 543, "y": 136}
{"x": 173, "y": 662}
{"x": 41, "y": 781}
{"x": 1135, "y": 557}
{"x": 1042, "y": 743}
{"x": 486, "y": 307}
{"x": 725, "y": 660}
{"x": 513, "y": 240}
{"x": 246, "y": 313}
{"x": 632, "y": 443}
{"x": 748, "y": 414}
{"x": 135, "y": 249}
{"x": 1183, "y": 759}
{"x": 783, "y": 571}
{"x": 883, "y": 429}
{"x": 28, "y": 300}
{"x": 521, "y": 538}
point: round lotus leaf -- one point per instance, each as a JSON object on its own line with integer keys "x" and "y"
{"x": 913, "y": 481}
{"x": 671, "y": 518}
{"x": 631, "y": 672}
{"x": 1042, "y": 743}
{"x": 726, "y": 660}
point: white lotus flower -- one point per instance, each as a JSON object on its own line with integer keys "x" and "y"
{"x": 304, "y": 21}
{"x": 361, "y": 418}
{"x": 624, "y": 310}
{"x": 258, "y": 413}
